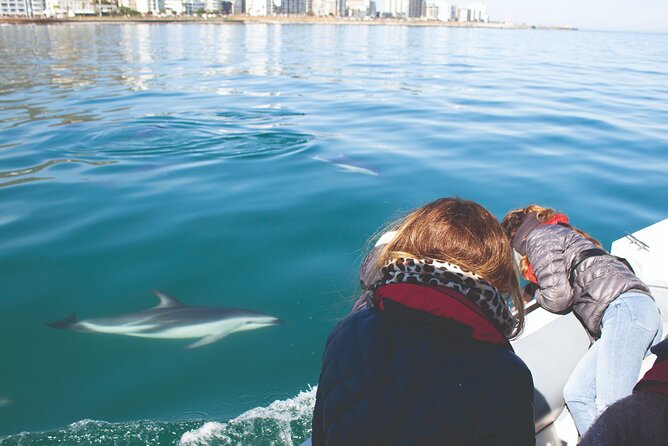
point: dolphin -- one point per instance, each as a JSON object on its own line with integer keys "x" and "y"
{"x": 348, "y": 165}
{"x": 171, "y": 319}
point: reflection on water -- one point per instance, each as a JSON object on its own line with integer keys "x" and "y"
{"x": 39, "y": 167}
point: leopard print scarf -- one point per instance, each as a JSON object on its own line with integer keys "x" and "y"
{"x": 431, "y": 272}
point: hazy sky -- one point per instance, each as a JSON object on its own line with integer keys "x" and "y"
{"x": 609, "y": 15}
{"x": 617, "y": 15}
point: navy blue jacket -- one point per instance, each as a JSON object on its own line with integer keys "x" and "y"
{"x": 421, "y": 368}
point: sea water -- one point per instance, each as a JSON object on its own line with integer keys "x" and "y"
{"x": 248, "y": 166}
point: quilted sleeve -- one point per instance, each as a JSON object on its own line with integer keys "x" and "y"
{"x": 545, "y": 249}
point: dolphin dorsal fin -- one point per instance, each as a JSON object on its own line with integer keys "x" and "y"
{"x": 166, "y": 300}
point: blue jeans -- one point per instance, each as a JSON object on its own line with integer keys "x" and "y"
{"x": 610, "y": 368}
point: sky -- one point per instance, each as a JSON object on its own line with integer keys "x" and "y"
{"x": 608, "y": 15}
{"x": 605, "y": 15}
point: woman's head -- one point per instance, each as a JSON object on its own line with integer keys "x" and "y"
{"x": 515, "y": 218}
{"x": 533, "y": 215}
{"x": 460, "y": 232}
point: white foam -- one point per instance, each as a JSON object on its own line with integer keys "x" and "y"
{"x": 209, "y": 430}
{"x": 281, "y": 413}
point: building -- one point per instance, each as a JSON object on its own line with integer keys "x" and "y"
{"x": 146, "y": 6}
{"x": 462, "y": 14}
{"x": 239, "y": 7}
{"x": 476, "y": 12}
{"x": 24, "y": 8}
{"x": 292, "y": 7}
{"x": 432, "y": 11}
{"x": 259, "y": 7}
{"x": 192, "y": 7}
{"x": 446, "y": 11}
{"x": 417, "y": 9}
{"x": 256, "y": 7}
{"x": 357, "y": 8}
{"x": 142, "y": 6}
{"x": 399, "y": 8}
{"x": 213, "y": 6}
{"x": 323, "y": 7}
{"x": 174, "y": 7}
{"x": 71, "y": 8}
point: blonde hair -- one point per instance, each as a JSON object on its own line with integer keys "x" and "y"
{"x": 514, "y": 219}
{"x": 460, "y": 232}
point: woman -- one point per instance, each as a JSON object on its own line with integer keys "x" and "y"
{"x": 571, "y": 272}
{"x": 428, "y": 362}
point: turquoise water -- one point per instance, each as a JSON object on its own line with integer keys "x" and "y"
{"x": 247, "y": 166}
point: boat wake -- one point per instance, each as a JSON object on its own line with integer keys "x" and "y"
{"x": 282, "y": 423}
{"x": 285, "y": 422}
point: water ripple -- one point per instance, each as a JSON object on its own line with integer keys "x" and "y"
{"x": 21, "y": 175}
{"x": 222, "y": 135}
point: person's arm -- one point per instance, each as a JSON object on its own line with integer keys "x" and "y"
{"x": 545, "y": 250}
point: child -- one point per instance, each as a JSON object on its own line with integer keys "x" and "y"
{"x": 428, "y": 361}
{"x": 573, "y": 273}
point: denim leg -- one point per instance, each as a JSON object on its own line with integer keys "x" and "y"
{"x": 580, "y": 390}
{"x": 630, "y": 326}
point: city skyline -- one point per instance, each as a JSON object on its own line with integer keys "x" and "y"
{"x": 604, "y": 15}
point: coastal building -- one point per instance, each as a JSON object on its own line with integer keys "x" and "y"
{"x": 324, "y": 7}
{"x": 432, "y": 11}
{"x": 239, "y": 7}
{"x": 479, "y": 12}
{"x": 23, "y": 8}
{"x": 292, "y": 7}
{"x": 417, "y": 9}
{"x": 357, "y": 8}
{"x": 399, "y": 8}
{"x": 192, "y": 7}
{"x": 260, "y": 7}
{"x": 462, "y": 14}
{"x": 175, "y": 7}
{"x": 71, "y": 8}
{"x": 476, "y": 12}
{"x": 142, "y": 6}
{"x": 446, "y": 11}
{"x": 213, "y": 6}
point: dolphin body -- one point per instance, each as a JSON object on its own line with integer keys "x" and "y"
{"x": 348, "y": 165}
{"x": 171, "y": 319}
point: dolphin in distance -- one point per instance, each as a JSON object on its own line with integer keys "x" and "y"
{"x": 348, "y": 165}
{"x": 171, "y": 319}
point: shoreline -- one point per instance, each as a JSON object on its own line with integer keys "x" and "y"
{"x": 305, "y": 20}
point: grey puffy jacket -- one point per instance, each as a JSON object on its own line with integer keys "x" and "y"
{"x": 598, "y": 280}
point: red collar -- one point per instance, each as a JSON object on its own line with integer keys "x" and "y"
{"x": 444, "y": 303}
{"x": 656, "y": 378}
{"x": 557, "y": 219}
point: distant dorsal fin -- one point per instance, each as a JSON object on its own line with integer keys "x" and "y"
{"x": 166, "y": 300}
